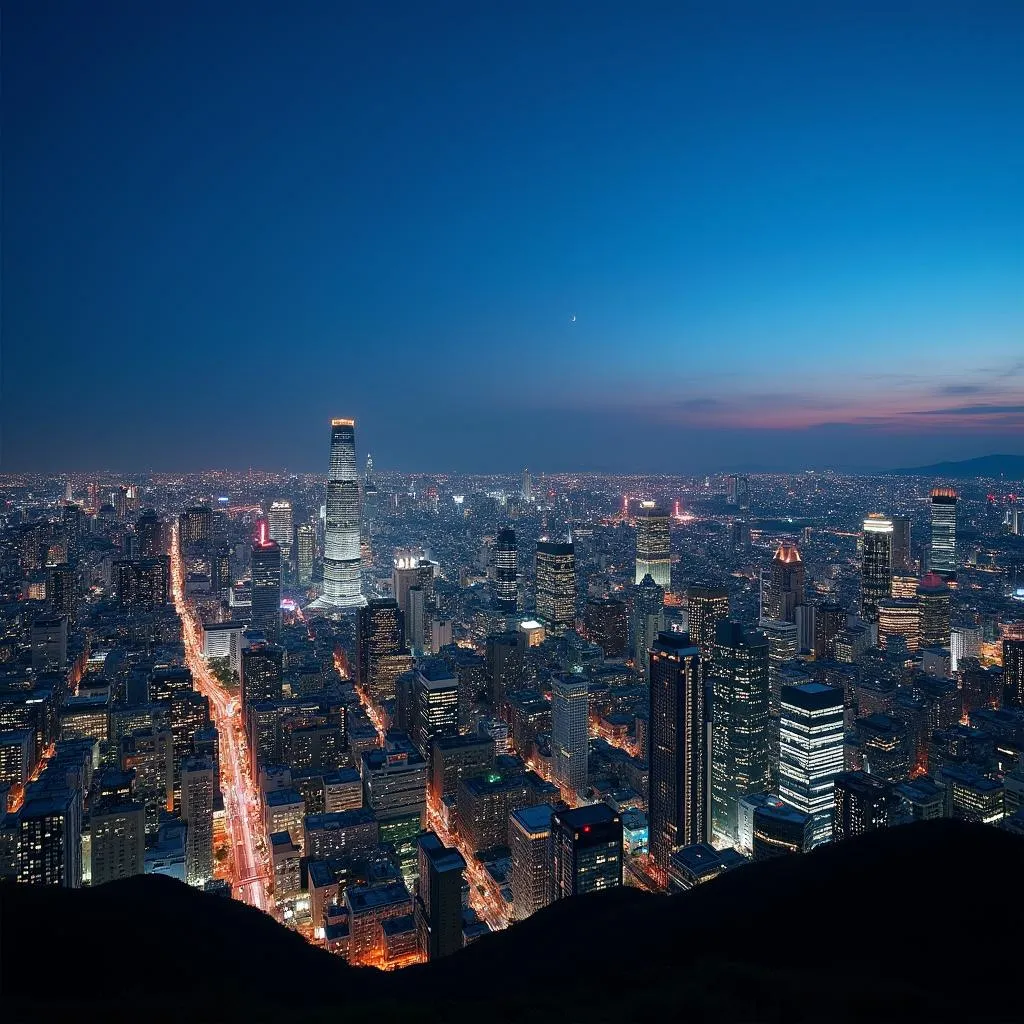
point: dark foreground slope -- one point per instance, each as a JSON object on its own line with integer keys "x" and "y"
{"x": 916, "y": 923}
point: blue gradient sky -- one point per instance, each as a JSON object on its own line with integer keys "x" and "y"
{"x": 791, "y": 234}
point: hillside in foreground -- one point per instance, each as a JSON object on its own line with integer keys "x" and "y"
{"x": 920, "y": 922}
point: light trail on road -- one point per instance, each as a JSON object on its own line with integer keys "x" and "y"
{"x": 251, "y": 868}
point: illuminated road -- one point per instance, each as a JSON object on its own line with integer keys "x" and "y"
{"x": 487, "y": 905}
{"x": 241, "y": 800}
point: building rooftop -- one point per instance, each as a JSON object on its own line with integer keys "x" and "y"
{"x": 334, "y": 820}
{"x": 363, "y": 899}
{"x": 283, "y": 797}
{"x": 535, "y": 821}
{"x": 584, "y": 817}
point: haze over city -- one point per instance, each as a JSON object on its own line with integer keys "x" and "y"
{"x": 683, "y": 238}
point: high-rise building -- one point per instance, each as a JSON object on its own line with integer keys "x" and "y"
{"x": 504, "y": 653}
{"x": 779, "y": 829}
{"x": 49, "y": 848}
{"x": 305, "y": 553}
{"x": 436, "y": 698}
{"x": 262, "y": 673}
{"x": 530, "y": 841}
{"x": 266, "y": 585}
{"x": 439, "y": 897}
{"x": 864, "y": 803}
{"x": 606, "y": 623}
{"x": 149, "y": 530}
{"x": 281, "y": 524}
{"x": 677, "y": 746}
{"x": 343, "y": 572}
{"x": 876, "y": 564}
{"x": 380, "y": 638}
{"x": 198, "y": 786}
{"x": 195, "y": 526}
{"x": 933, "y": 601}
{"x": 526, "y": 491}
{"x": 505, "y": 586}
{"x": 902, "y": 553}
{"x": 738, "y": 491}
{"x": 586, "y": 846}
{"x": 556, "y": 586}
{"x": 1013, "y": 673}
{"x": 653, "y": 554}
{"x": 739, "y": 723}
{"x": 785, "y": 587}
{"x": 811, "y": 738}
{"x": 829, "y": 622}
{"x": 898, "y": 620}
{"x": 706, "y": 606}
{"x": 570, "y": 744}
{"x": 117, "y": 830}
{"x": 648, "y": 620}
{"x": 942, "y": 558}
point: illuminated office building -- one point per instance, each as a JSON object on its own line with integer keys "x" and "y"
{"x": 281, "y": 526}
{"x": 933, "y": 600}
{"x": 586, "y": 845}
{"x": 266, "y": 585}
{"x": 380, "y": 648}
{"x": 811, "y": 736}
{"x": 305, "y": 552}
{"x": 529, "y": 841}
{"x": 707, "y": 606}
{"x": 1013, "y": 673}
{"x": 343, "y": 573}
{"x": 652, "y": 545}
{"x": 942, "y": 558}
{"x": 556, "y": 586}
{"x": 898, "y": 618}
{"x": 570, "y": 744}
{"x": 505, "y": 585}
{"x": 677, "y": 746}
{"x": 648, "y": 620}
{"x": 739, "y": 723}
{"x": 876, "y": 564}
{"x": 863, "y": 803}
{"x": 784, "y": 590}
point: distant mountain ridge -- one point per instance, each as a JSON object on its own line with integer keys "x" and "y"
{"x": 1009, "y": 466}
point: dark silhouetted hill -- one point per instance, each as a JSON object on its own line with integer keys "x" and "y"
{"x": 1011, "y": 467}
{"x": 914, "y": 923}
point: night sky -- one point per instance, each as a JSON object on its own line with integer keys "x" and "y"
{"x": 790, "y": 234}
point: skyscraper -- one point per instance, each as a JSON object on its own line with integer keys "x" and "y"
{"x": 933, "y": 601}
{"x": 863, "y": 803}
{"x": 556, "y": 586}
{"x": 118, "y": 839}
{"x": 527, "y": 488}
{"x": 676, "y": 749}
{"x": 150, "y": 532}
{"x": 505, "y": 588}
{"x": 648, "y": 620}
{"x": 785, "y": 586}
{"x": 266, "y": 585}
{"x": 380, "y": 636}
{"x": 569, "y": 739}
{"x": 876, "y": 564}
{"x": 739, "y": 723}
{"x": 898, "y": 620}
{"x": 586, "y": 846}
{"x": 811, "y": 751}
{"x": 529, "y": 830}
{"x": 438, "y": 905}
{"x": 280, "y": 520}
{"x": 195, "y": 526}
{"x": 1013, "y": 673}
{"x": 652, "y": 545}
{"x": 707, "y": 606}
{"x": 305, "y": 552}
{"x": 198, "y": 786}
{"x": 942, "y": 559}
{"x": 343, "y": 573}
{"x": 902, "y": 555}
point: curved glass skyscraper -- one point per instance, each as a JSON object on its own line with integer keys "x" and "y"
{"x": 343, "y": 575}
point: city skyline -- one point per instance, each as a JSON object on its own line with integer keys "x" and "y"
{"x": 659, "y": 250}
